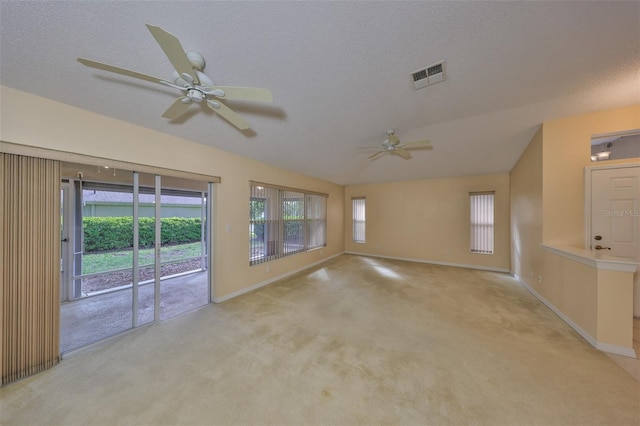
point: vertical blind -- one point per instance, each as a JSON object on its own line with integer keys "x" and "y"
{"x": 482, "y": 222}
{"x": 316, "y": 221}
{"x": 284, "y": 221}
{"x": 293, "y": 219}
{"x": 359, "y": 226}
{"x": 30, "y": 254}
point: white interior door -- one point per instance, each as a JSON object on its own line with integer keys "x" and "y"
{"x": 615, "y": 216}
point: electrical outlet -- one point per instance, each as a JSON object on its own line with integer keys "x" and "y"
{"x": 539, "y": 278}
{"x": 268, "y": 268}
{"x": 321, "y": 252}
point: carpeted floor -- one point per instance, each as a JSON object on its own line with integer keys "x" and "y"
{"x": 355, "y": 341}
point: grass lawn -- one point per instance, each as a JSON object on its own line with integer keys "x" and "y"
{"x": 108, "y": 261}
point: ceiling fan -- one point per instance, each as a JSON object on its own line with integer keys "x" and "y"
{"x": 190, "y": 79}
{"x": 393, "y": 146}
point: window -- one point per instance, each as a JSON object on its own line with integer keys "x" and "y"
{"x": 358, "y": 207}
{"x": 284, "y": 221}
{"x": 482, "y": 222}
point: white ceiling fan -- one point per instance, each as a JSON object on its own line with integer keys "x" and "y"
{"x": 188, "y": 77}
{"x": 393, "y": 146}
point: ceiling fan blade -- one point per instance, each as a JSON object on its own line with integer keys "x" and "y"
{"x": 413, "y": 144}
{"x": 245, "y": 93}
{"x": 402, "y": 153}
{"x": 117, "y": 70}
{"x": 367, "y": 148}
{"x": 419, "y": 148}
{"x": 174, "y": 51}
{"x": 177, "y": 108}
{"x": 228, "y": 114}
{"x": 393, "y": 140}
{"x": 378, "y": 154}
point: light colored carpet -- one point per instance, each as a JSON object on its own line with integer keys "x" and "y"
{"x": 355, "y": 341}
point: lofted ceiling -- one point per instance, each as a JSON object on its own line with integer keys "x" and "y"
{"x": 340, "y": 74}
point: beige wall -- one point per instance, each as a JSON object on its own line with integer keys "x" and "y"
{"x": 615, "y": 307}
{"x": 30, "y": 120}
{"x": 566, "y": 152}
{"x": 571, "y": 287}
{"x": 525, "y": 185}
{"x": 428, "y": 220}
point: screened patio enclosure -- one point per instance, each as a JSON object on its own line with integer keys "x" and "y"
{"x": 134, "y": 249}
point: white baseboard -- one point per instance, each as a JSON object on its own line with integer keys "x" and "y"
{"x": 589, "y": 338}
{"x": 605, "y": 347}
{"x": 270, "y": 280}
{"x": 432, "y": 262}
{"x": 615, "y": 349}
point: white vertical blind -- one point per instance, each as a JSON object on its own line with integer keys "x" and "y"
{"x": 264, "y": 226}
{"x": 359, "y": 217}
{"x": 316, "y": 221}
{"x": 284, "y": 221}
{"x": 293, "y": 221}
{"x": 482, "y": 222}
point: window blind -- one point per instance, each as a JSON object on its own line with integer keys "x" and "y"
{"x": 30, "y": 272}
{"x": 358, "y": 205}
{"x": 316, "y": 221}
{"x": 293, "y": 219}
{"x": 482, "y": 206}
{"x": 284, "y": 221}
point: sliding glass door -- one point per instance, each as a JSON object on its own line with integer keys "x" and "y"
{"x": 97, "y": 292}
{"x": 183, "y": 251}
{"x": 138, "y": 251}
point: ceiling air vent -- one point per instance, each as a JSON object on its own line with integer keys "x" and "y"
{"x": 428, "y": 75}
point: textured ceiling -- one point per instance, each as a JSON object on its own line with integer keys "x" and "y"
{"x": 339, "y": 73}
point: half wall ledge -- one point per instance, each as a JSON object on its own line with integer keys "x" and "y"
{"x": 598, "y": 302}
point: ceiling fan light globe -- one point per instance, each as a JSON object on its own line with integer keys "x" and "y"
{"x": 196, "y": 60}
{"x": 205, "y": 80}
{"x": 179, "y": 81}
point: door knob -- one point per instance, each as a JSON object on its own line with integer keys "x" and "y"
{"x": 599, "y": 247}
{"x": 597, "y": 238}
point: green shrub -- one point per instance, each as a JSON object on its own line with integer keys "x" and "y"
{"x": 116, "y": 233}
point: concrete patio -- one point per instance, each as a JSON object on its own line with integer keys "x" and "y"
{"x": 94, "y": 318}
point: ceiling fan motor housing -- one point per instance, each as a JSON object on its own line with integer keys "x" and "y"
{"x": 195, "y": 95}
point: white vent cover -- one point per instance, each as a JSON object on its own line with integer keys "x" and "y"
{"x": 428, "y": 75}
